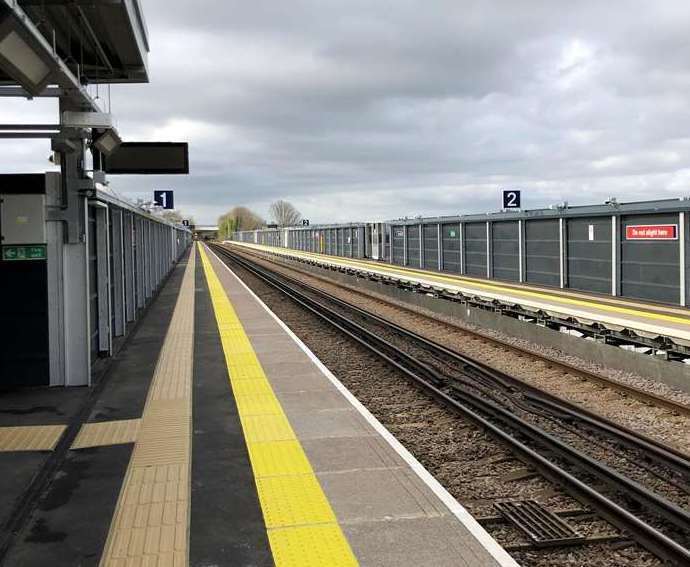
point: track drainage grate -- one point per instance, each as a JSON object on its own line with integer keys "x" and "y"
{"x": 544, "y": 528}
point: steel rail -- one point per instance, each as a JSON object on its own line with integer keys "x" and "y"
{"x": 638, "y": 393}
{"x": 473, "y": 407}
{"x": 661, "y": 451}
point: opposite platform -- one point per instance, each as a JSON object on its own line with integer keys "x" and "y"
{"x": 645, "y": 318}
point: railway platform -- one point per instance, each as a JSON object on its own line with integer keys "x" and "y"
{"x": 647, "y": 319}
{"x": 217, "y": 438}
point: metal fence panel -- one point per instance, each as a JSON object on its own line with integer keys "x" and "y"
{"x": 413, "y": 251}
{"x": 450, "y": 241}
{"x": 355, "y": 242}
{"x": 398, "y": 233}
{"x": 475, "y": 249}
{"x": 588, "y": 252}
{"x": 430, "y": 246}
{"x": 505, "y": 250}
{"x": 650, "y": 268}
{"x": 542, "y": 252}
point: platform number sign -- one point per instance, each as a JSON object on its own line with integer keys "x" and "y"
{"x": 185, "y": 222}
{"x": 511, "y": 199}
{"x": 305, "y": 222}
{"x": 164, "y": 199}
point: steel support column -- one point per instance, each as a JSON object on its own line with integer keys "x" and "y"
{"x": 105, "y": 336}
{"x": 681, "y": 242}
{"x": 118, "y": 274}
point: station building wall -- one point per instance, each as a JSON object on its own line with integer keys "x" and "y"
{"x": 79, "y": 292}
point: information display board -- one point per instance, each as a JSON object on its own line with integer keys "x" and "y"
{"x": 148, "y": 158}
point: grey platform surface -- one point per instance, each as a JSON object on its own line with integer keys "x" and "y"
{"x": 389, "y": 514}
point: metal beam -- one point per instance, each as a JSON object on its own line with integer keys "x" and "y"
{"x": 62, "y": 75}
{"x": 17, "y": 91}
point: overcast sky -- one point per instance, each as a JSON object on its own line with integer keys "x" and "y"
{"x": 363, "y": 109}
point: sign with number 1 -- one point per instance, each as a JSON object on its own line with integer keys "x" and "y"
{"x": 164, "y": 199}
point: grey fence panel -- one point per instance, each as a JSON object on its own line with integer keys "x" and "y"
{"x": 650, "y": 268}
{"x": 588, "y": 252}
{"x": 361, "y": 242}
{"x": 475, "y": 249}
{"x": 542, "y": 252}
{"x": 342, "y": 242}
{"x": 398, "y": 233}
{"x": 431, "y": 246}
{"x": 355, "y": 242}
{"x": 450, "y": 240}
{"x": 413, "y": 250}
{"x": 505, "y": 250}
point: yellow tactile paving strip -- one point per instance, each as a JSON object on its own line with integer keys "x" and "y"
{"x": 30, "y": 437}
{"x": 150, "y": 526}
{"x": 302, "y": 528}
{"x": 107, "y": 433}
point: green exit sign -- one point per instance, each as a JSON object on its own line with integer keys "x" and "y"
{"x": 24, "y": 252}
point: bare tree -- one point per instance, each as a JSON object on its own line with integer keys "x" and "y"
{"x": 284, "y": 213}
{"x": 172, "y": 216}
{"x": 238, "y": 218}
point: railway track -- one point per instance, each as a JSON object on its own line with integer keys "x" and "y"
{"x": 560, "y": 462}
{"x": 633, "y": 391}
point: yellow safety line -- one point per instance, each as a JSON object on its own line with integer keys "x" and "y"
{"x": 302, "y": 528}
{"x": 150, "y": 525}
{"x": 496, "y": 288}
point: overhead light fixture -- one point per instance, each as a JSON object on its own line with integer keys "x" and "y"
{"x": 107, "y": 142}
{"x": 30, "y": 67}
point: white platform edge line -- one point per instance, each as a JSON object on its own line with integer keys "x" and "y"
{"x": 621, "y": 321}
{"x": 457, "y": 509}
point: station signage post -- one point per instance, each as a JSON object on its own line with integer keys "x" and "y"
{"x": 511, "y": 199}
{"x": 164, "y": 199}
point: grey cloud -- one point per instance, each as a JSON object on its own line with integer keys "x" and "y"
{"x": 359, "y": 108}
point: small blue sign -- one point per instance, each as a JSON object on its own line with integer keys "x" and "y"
{"x": 164, "y": 199}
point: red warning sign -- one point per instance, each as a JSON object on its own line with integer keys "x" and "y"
{"x": 651, "y": 232}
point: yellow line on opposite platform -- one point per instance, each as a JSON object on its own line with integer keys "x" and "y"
{"x": 30, "y": 437}
{"x": 302, "y": 528}
{"x": 150, "y": 525}
{"x": 492, "y": 287}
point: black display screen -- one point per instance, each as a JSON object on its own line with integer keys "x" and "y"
{"x": 149, "y": 158}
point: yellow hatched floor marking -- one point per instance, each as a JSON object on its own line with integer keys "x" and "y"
{"x": 494, "y": 288}
{"x": 30, "y": 437}
{"x": 302, "y": 528}
{"x": 150, "y": 525}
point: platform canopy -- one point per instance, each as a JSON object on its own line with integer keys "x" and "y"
{"x": 71, "y": 43}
